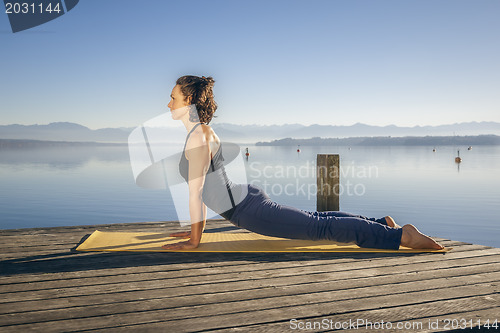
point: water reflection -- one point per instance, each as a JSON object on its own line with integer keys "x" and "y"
{"x": 62, "y": 157}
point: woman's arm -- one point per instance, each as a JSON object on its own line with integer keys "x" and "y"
{"x": 187, "y": 234}
{"x": 198, "y": 155}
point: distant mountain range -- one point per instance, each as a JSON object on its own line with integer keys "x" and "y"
{"x": 64, "y": 131}
{"x": 33, "y": 144}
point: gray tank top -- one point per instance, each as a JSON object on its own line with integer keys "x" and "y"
{"x": 218, "y": 191}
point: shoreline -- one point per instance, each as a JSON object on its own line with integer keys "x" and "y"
{"x": 468, "y": 140}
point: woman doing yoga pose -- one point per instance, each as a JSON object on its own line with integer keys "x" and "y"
{"x": 247, "y": 206}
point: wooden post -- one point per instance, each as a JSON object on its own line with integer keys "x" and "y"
{"x": 328, "y": 178}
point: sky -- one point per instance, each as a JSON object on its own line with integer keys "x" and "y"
{"x": 113, "y": 63}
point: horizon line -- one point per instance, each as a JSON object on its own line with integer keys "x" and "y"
{"x": 264, "y": 125}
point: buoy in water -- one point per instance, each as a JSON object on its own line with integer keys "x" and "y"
{"x": 458, "y": 159}
{"x": 247, "y": 153}
{"x": 298, "y": 149}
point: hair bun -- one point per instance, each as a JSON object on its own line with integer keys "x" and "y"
{"x": 208, "y": 80}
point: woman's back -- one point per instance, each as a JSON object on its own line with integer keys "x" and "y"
{"x": 219, "y": 193}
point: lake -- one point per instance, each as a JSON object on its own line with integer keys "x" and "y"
{"x": 68, "y": 186}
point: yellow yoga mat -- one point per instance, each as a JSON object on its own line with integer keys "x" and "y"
{"x": 221, "y": 242}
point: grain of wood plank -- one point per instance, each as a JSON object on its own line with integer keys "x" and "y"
{"x": 471, "y": 275}
{"x": 196, "y": 269}
{"x": 270, "y": 296}
{"x": 262, "y": 277}
{"x": 423, "y": 323}
{"x": 401, "y": 309}
{"x": 121, "y": 295}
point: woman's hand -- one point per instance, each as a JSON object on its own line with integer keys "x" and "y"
{"x": 182, "y": 234}
{"x": 187, "y": 245}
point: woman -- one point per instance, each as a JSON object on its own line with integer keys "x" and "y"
{"x": 247, "y": 206}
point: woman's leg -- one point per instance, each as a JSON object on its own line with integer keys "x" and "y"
{"x": 363, "y": 232}
{"x": 264, "y": 216}
{"x": 258, "y": 213}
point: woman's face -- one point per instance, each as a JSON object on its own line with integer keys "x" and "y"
{"x": 177, "y": 101}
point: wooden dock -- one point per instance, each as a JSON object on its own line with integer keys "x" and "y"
{"x": 45, "y": 286}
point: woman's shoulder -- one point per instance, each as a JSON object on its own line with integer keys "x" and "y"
{"x": 209, "y": 133}
{"x": 202, "y": 135}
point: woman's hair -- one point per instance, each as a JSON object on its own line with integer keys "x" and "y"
{"x": 200, "y": 90}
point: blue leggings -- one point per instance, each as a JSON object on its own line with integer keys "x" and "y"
{"x": 259, "y": 214}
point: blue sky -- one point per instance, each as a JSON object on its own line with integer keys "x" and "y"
{"x": 113, "y": 63}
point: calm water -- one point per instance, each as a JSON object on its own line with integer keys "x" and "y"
{"x": 94, "y": 185}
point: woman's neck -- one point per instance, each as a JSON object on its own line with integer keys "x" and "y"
{"x": 188, "y": 124}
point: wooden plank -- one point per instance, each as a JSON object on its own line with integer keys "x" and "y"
{"x": 469, "y": 275}
{"x": 194, "y": 270}
{"x": 185, "y": 287}
{"x": 115, "y": 226}
{"x": 264, "y": 299}
{"x": 257, "y": 271}
{"x": 424, "y": 322}
{"x": 471, "y": 297}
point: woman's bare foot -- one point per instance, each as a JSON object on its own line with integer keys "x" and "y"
{"x": 414, "y": 239}
{"x": 391, "y": 223}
